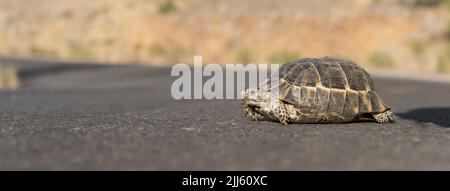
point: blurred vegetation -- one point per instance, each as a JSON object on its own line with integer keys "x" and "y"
{"x": 417, "y": 47}
{"x": 166, "y": 7}
{"x": 13, "y": 52}
{"x": 170, "y": 52}
{"x": 381, "y": 59}
{"x": 42, "y": 52}
{"x": 283, "y": 56}
{"x": 426, "y": 3}
{"x": 443, "y": 65}
{"x": 80, "y": 52}
{"x": 244, "y": 56}
{"x": 413, "y": 33}
{"x": 447, "y": 3}
{"x": 156, "y": 49}
{"x": 447, "y": 32}
{"x": 8, "y": 77}
{"x": 137, "y": 47}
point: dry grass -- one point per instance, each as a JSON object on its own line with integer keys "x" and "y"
{"x": 259, "y": 31}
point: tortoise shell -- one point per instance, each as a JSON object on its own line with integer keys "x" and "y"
{"x": 328, "y": 86}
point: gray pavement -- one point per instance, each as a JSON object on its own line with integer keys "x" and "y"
{"x": 102, "y": 117}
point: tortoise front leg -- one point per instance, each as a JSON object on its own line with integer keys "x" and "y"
{"x": 279, "y": 110}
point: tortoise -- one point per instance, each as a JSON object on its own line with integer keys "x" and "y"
{"x": 317, "y": 90}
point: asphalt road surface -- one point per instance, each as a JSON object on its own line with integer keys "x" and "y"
{"x": 103, "y": 117}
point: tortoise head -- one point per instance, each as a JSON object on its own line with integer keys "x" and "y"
{"x": 256, "y": 99}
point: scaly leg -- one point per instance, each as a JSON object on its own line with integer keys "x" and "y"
{"x": 385, "y": 117}
{"x": 279, "y": 110}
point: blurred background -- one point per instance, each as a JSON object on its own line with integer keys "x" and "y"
{"x": 402, "y": 35}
